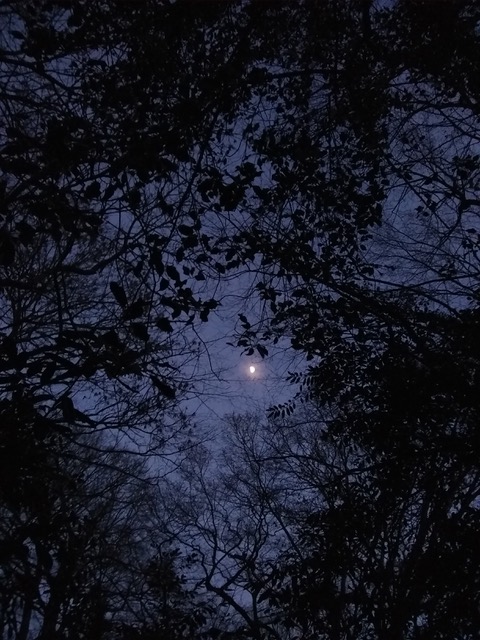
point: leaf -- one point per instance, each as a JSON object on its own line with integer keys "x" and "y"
{"x": 119, "y": 293}
{"x": 139, "y": 330}
{"x": 263, "y": 351}
{"x": 156, "y": 259}
{"x": 137, "y": 269}
{"x": 164, "y": 325}
{"x": 9, "y": 347}
{"x": 185, "y": 230}
{"x": 163, "y": 387}
{"x": 134, "y": 198}
{"x": 26, "y": 232}
{"x": 68, "y": 408}
{"x": 34, "y": 368}
{"x": 134, "y": 310}
{"x": 172, "y": 273}
{"x": 111, "y": 339}
{"x": 7, "y": 248}
{"x": 47, "y": 373}
{"x": 166, "y": 365}
{"x": 83, "y": 417}
{"x": 190, "y": 242}
{"x": 93, "y": 190}
{"x": 109, "y": 191}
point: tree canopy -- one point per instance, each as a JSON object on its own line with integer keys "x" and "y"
{"x": 152, "y": 155}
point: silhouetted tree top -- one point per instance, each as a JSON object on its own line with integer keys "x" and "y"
{"x": 151, "y": 155}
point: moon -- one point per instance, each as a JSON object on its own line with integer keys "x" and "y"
{"x": 252, "y": 369}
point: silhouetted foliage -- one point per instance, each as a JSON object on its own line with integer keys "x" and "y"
{"x": 82, "y": 552}
{"x": 150, "y": 152}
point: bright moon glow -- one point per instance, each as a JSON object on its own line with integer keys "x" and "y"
{"x": 252, "y": 369}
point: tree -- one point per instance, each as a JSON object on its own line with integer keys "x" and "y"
{"x": 329, "y": 149}
{"x": 402, "y": 492}
{"x": 102, "y": 266}
{"x": 102, "y": 152}
{"x": 366, "y": 207}
{"x": 223, "y": 520}
{"x": 314, "y": 529}
{"x": 337, "y": 159}
{"x": 82, "y": 554}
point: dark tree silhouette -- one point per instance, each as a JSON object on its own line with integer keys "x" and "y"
{"x": 149, "y": 153}
{"x": 82, "y": 551}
